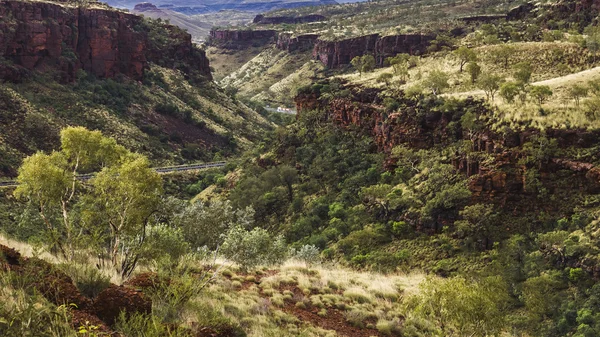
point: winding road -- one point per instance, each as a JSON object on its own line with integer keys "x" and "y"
{"x": 162, "y": 170}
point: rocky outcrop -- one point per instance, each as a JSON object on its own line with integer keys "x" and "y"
{"x": 48, "y": 36}
{"x": 240, "y": 39}
{"x": 144, "y": 7}
{"x": 521, "y": 12}
{"x": 337, "y": 53}
{"x": 413, "y": 44}
{"x": 582, "y": 12}
{"x": 178, "y": 52}
{"x": 275, "y": 20}
{"x": 291, "y": 43}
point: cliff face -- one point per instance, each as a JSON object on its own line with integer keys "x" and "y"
{"x": 239, "y": 39}
{"x": 413, "y": 44}
{"x": 48, "y": 36}
{"x": 336, "y": 53}
{"x": 285, "y": 41}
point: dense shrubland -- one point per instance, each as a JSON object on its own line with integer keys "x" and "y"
{"x": 515, "y": 255}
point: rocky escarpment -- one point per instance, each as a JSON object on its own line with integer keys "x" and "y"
{"x": 337, "y": 53}
{"x": 582, "y": 12}
{"x": 503, "y": 178}
{"x": 47, "y": 36}
{"x": 291, "y": 43}
{"x": 239, "y": 39}
{"x": 275, "y": 20}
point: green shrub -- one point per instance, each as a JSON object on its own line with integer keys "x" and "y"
{"x": 164, "y": 241}
{"x": 306, "y": 253}
{"x": 253, "y": 248}
{"x": 143, "y": 325}
{"x": 89, "y": 280}
{"x": 208, "y": 317}
{"x": 167, "y": 109}
{"x": 389, "y": 327}
{"x": 27, "y": 314}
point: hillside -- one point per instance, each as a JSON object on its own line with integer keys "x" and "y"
{"x": 440, "y": 175}
{"x": 198, "y": 25}
{"x": 156, "y": 97}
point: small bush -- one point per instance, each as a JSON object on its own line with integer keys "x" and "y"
{"x": 389, "y": 327}
{"x": 208, "y": 317}
{"x": 253, "y": 248}
{"x": 358, "y": 295}
{"x": 357, "y": 318}
{"x": 24, "y": 314}
{"x": 89, "y": 280}
{"x": 143, "y": 325}
{"x": 306, "y": 253}
{"x": 167, "y": 109}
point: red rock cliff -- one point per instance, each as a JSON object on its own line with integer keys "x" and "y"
{"x": 286, "y": 41}
{"x": 336, "y": 53}
{"x": 49, "y": 36}
{"x": 239, "y": 39}
{"x": 502, "y": 182}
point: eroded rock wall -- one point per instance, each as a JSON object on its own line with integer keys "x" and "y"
{"x": 338, "y": 53}
{"x": 46, "y": 36}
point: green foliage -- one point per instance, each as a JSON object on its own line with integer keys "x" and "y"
{"x": 576, "y": 92}
{"x": 540, "y": 93}
{"x": 490, "y": 84}
{"x": 50, "y": 182}
{"x": 437, "y": 81}
{"x": 23, "y": 313}
{"x": 385, "y": 78}
{"x": 207, "y": 316}
{"x": 142, "y": 325}
{"x": 592, "y": 40}
{"x": 522, "y": 73}
{"x": 474, "y": 71}
{"x": 124, "y": 197}
{"x": 204, "y": 224}
{"x": 463, "y": 307}
{"x": 503, "y": 53}
{"x": 509, "y": 91}
{"x": 363, "y": 64}
{"x": 307, "y": 253}
{"x": 479, "y": 224}
{"x": 541, "y": 294}
{"x": 89, "y": 280}
{"x": 465, "y": 55}
{"x": 252, "y": 248}
{"x": 164, "y": 241}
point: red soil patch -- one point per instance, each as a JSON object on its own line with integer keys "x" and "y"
{"x": 146, "y": 281}
{"x": 334, "y": 320}
{"x": 10, "y": 255}
{"x": 56, "y": 286}
{"x": 85, "y": 319}
{"x": 110, "y": 302}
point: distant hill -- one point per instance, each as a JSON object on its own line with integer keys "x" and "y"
{"x": 190, "y": 7}
{"x": 196, "y": 28}
{"x": 197, "y": 25}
